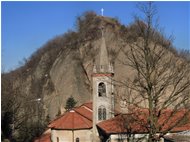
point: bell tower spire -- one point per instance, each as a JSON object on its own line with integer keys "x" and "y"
{"x": 103, "y": 65}
{"x": 102, "y": 84}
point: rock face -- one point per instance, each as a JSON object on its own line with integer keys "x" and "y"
{"x": 63, "y": 67}
{"x": 69, "y": 79}
{"x": 71, "y": 73}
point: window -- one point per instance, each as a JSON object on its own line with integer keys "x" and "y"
{"x": 101, "y": 113}
{"x": 77, "y": 139}
{"x": 101, "y": 89}
{"x": 101, "y": 67}
{"x": 57, "y": 139}
{"x": 104, "y": 113}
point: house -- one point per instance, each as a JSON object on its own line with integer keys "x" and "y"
{"x": 75, "y": 125}
{"x": 133, "y": 126}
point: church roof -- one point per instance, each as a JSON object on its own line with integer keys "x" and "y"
{"x": 102, "y": 64}
{"x": 103, "y": 61}
{"x": 75, "y": 119}
{"x": 81, "y": 118}
{"x": 118, "y": 125}
{"x": 137, "y": 123}
{"x": 88, "y": 105}
{"x": 85, "y": 112}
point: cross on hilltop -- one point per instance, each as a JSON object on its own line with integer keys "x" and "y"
{"x": 102, "y": 10}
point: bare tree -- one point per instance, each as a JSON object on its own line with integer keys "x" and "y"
{"x": 185, "y": 54}
{"x": 9, "y": 106}
{"x": 161, "y": 80}
{"x": 21, "y": 115}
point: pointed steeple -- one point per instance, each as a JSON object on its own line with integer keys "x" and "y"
{"x": 103, "y": 65}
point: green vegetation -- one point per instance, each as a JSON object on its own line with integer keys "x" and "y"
{"x": 70, "y": 103}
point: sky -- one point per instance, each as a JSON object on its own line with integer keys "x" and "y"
{"x": 27, "y": 26}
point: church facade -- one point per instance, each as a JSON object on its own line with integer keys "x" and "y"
{"x": 82, "y": 121}
{"x": 80, "y": 124}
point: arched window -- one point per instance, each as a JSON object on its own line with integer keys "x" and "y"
{"x": 104, "y": 113}
{"x": 101, "y": 113}
{"x": 77, "y": 139}
{"x": 101, "y": 89}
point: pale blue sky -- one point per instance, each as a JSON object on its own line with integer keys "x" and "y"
{"x": 27, "y": 26}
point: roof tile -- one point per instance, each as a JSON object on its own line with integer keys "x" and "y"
{"x": 138, "y": 122}
{"x": 78, "y": 118}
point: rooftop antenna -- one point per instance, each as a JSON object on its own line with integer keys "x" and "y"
{"x": 102, "y": 11}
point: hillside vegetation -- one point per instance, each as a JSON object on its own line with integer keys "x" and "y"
{"x": 63, "y": 66}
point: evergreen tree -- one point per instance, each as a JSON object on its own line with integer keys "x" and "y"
{"x": 70, "y": 103}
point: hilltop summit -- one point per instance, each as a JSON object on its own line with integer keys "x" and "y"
{"x": 63, "y": 66}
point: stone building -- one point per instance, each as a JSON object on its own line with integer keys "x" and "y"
{"x": 103, "y": 96}
{"x": 76, "y": 125}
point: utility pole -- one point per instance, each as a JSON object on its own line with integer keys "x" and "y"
{"x": 38, "y": 102}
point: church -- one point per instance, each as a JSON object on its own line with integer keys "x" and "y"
{"x": 98, "y": 121}
{"x": 80, "y": 123}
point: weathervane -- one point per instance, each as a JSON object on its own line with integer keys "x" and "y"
{"x": 102, "y": 10}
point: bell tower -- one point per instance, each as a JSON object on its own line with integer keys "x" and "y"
{"x": 103, "y": 98}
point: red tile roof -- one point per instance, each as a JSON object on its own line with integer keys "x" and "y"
{"x": 88, "y": 105}
{"x": 44, "y": 138}
{"x": 84, "y": 112}
{"x": 118, "y": 124}
{"x": 175, "y": 119}
{"x": 78, "y": 118}
{"x": 138, "y": 122}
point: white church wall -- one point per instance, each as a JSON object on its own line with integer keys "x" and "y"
{"x": 70, "y": 136}
{"x": 123, "y": 137}
{"x": 83, "y": 135}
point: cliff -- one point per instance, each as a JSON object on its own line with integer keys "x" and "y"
{"x": 63, "y": 66}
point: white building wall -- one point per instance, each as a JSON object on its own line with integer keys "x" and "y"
{"x": 70, "y": 136}
{"x": 116, "y": 137}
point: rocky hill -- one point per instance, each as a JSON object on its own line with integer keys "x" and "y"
{"x": 63, "y": 66}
